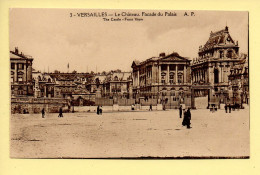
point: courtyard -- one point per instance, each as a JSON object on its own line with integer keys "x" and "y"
{"x": 131, "y": 135}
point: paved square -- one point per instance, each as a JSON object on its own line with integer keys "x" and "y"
{"x": 130, "y": 134}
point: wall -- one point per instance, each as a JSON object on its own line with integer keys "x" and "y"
{"x": 35, "y": 105}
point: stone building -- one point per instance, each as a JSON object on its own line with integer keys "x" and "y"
{"x": 115, "y": 83}
{"x": 211, "y": 69}
{"x": 164, "y": 79}
{"x": 68, "y": 84}
{"x": 239, "y": 81}
{"x": 118, "y": 84}
{"x": 21, "y": 74}
{"x": 43, "y": 85}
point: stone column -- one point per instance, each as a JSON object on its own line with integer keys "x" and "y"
{"x": 195, "y": 75}
{"x": 159, "y": 74}
{"x": 184, "y": 74}
{"x": 138, "y": 78}
{"x": 224, "y": 77}
{"x": 45, "y": 91}
{"x": 176, "y": 73}
{"x": 15, "y": 73}
{"x": 25, "y": 72}
{"x": 168, "y": 74}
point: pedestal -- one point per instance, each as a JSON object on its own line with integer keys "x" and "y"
{"x": 222, "y": 106}
{"x": 159, "y": 107}
{"x": 115, "y": 107}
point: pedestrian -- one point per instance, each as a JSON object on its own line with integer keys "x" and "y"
{"x": 184, "y": 121}
{"x": 43, "y": 113}
{"x": 229, "y": 107}
{"x": 226, "y": 108}
{"x": 180, "y": 110}
{"x": 98, "y": 110}
{"x": 188, "y": 118}
{"x": 60, "y": 113}
{"x": 151, "y": 107}
{"x": 133, "y": 107}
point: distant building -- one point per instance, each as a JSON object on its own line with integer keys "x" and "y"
{"x": 21, "y": 74}
{"x": 165, "y": 78}
{"x": 210, "y": 71}
{"x": 95, "y": 83}
{"x": 44, "y": 85}
{"x": 69, "y": 84}
{"x": 112, "y": 84}
{"x": 119, "y": 84}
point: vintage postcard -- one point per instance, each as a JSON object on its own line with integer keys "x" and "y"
{"x": 88, "y": 83}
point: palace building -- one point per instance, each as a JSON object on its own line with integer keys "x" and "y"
{"x": 165, "y": 78}
{"x": 21, "y": 74}
{"x": 211, "y": 69}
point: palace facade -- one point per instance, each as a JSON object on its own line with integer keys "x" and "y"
{"x": 165, "y": 78}
{"x": 21, "y": 74}
{"x": 210, "y": 71}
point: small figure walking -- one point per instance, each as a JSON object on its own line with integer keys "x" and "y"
{"x": 151, "y": 107}
{"x": 60, "y": 113}
{"x": 43, "y": 113}
{"x": 226, "y": 108}
{"x": 98, "y": 110}
{"x": 229, "y": 107}
{"x": 186, "y": 118}
{"x": 180, "y": 111}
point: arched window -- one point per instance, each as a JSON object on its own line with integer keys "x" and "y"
{"x": 171, "y": 77}
{"x": 180, "y": 77}
{"x": 116, "y": 78}
{"x": 172, "y": 91}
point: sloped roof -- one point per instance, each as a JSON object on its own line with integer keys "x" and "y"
{"x": 218, "y": 38}
{"x": 174, "y": 57}
{"x": 15, "y": 56}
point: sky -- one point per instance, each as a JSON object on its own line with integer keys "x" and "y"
{"x": 54, "y": 39}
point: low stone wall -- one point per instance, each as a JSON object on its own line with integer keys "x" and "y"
{"x": 35, "y": 105}
{"x": 113, "y": 108}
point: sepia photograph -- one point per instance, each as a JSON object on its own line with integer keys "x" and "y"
{"x": 129, "y": 84}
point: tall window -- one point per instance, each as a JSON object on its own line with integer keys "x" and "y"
{"x": 171, "y": 77}
{"x": 221, "y": 55}
{"x": 20, "y": 66}
{"x": 12, "y": 66}
{"x": 20, "y": 76}
{"x": 163, "y": 77}
{"x": 180, "y": 78}
{"x": 216, "y": 76}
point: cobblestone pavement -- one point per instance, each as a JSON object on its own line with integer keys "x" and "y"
{"x": 130, "y": 134}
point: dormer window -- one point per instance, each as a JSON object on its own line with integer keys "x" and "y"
{"x": 221, "y": 54}
{"x": 230, "y": 54}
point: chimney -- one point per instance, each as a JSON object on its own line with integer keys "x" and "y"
{"x": 16, "y": 51}
{"x": 162, "y": 54}
{"x": 226, "y": 28}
